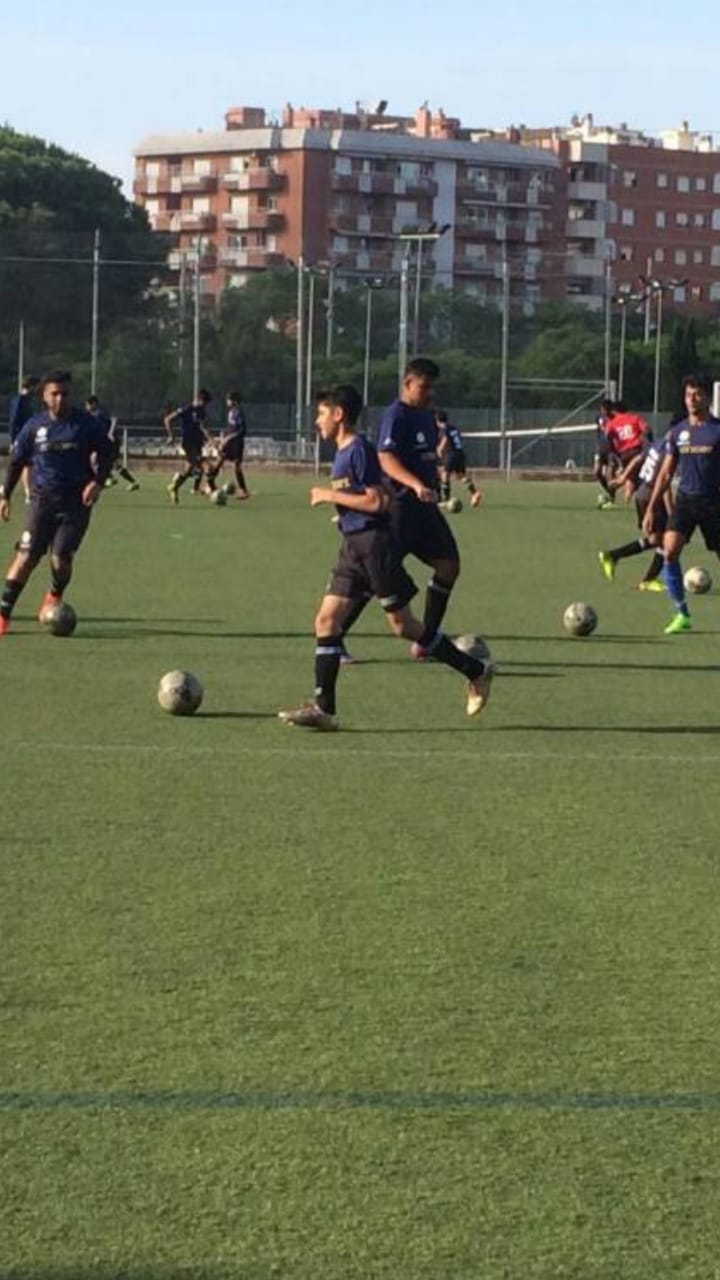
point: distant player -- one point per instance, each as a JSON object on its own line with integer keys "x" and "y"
{"x": 70, "y": 457}
{"x": 22, "y": 408}
{"x": 369, "y": 563}
{"x": 109, "y": 425}
{"x": 627, "y": 434}
{"x": 452, "y": 460}
{"x": 190, "y": 419}
{"x": 644, "y": 469}
{"x": 604, "y": 461}
{"x": 231, "y": 446}
{"x": 692, "y": 455}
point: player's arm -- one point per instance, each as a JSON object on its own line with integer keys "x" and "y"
{"x": 660, "y": 488}
{"x": 443, "y": 445}
{"x": 400, "y": 474}
{"x": 101, "y": 454}
{"x": 168, "y": 421}
{"x": 627, "y": 472}
{"x": 21, "y": 455}
{"x": 373, "y": 500}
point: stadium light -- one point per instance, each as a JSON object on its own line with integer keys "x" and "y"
{"x": 658, "y": 288}
{"x": 419, "y": 238}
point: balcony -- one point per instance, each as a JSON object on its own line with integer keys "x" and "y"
{"x": 474, "y": 228}
{"x": 198, "y": 182}
{"x": 468, "y": 265}
{"x": 260, "y": 179}
{"x": 587, "y": 228}
{"x": 188, "y": 221}
{"x": 585, "y": 266}
{"x": 253, "y": 220}
{"x": 587, "y": 191}
{"x": 364, "y": 224}
{"x": 252, "y": 257}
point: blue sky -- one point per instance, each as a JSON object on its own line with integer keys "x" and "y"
{"x": 96, "y": 79}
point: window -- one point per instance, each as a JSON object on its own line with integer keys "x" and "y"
{"x": 201, "y": 204}
{"x": 662, "y": 180}
{"x": 152, "y": 169}
{"x": 659, "y": 255}
{"x": 696, "y": 293}
{"x": 680, "y": 257}
{"x": 340, "y": 244}
{"x": 716, "y": 184}
{"x": 701, "y": 184}
{"x": 202, "y": 168}
{"x": 715, "y": 256}
{"x": 679, "y": 293}
{"x": 682, "y": 219}
{"x": 716, "y": 220}
{"x": 628, "y": 217}
{"x": 152, "y": 208}
{"x": 629, "y": 178}
{"x": 659, "y": 218}
{"x": 715, "y": 292}
{"x": 683, "y": 183}
{"x": 698, "y": 257}
{"x": 698, "y": 219}
{"x": 408, "y": 169}
{"x": 626, "y": 253}
{"x": 342, "y": 164}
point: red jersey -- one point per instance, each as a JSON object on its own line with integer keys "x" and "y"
{"x": 626, "y": 432}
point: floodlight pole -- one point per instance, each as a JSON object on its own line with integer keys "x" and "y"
{"x": 623, "y": 335}
{"x": 504, "y": 351}
{"x": 299, "y": 347}
{"x": 95, "y": 311}
{"x": 311, "y": 323}
{"x": 196, "y": 322}
{"x": 658, "y": 347}
{"x": 418, "y": 286}
{"x": 608, "y": 323}
{"x": 330, "y": 312}
{"x": 403, "y": 322}
{"x": 21, "y": 355}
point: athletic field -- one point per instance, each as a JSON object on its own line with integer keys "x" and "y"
{"x": 427, "y": 999}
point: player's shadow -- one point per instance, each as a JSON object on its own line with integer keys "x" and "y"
{"x": 656, "y": 730}
{"x": 234, "y": 715}
{"x": 612, "y": 638}
{"x": 619, "y": 666}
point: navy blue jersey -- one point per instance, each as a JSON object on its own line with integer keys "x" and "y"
{"x": 652, "y": 457}
{"x": 696, "y": 450}
{"x": 22, "y": 408}
{"x": 103, "y": 419}
{"x": 412, "y": 436}
{"x": 59, "y": 450}
{"x": 356, "y": 468}
{"x": 191, "y": 420}
{"x": 452, "y": 436}
{"x": 236, "y": 424}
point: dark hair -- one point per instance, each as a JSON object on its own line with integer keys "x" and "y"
{"x": 29, "y": 381}
{"x": 607, "y": 405}
{"x": 63, "y": 376}
{"x": 93, "y": 400}
{"x": 344, "y": 397}
{"x": 235, "y": 396}
{"x": 620, "y": 406}
{"x": 204, "y": 394}
{"x": 421, "y": 367}
{"x": 440, "y": 415}
{"x": 699, "y": 380}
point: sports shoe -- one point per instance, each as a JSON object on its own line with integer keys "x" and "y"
{"x": 681, "y": 622}
{"x": 604, "y": 503}
{"x": 651, "y": 584}
{"x": 110, "y": 482}
{"x": 346, "y": 659}
{"x": 174, "y": 496}
{"x": 49, "y": 600}
{"x": 132, "y": 487}
{"x": 4, "y": 625}
{"x": 418, "y": 653}
{"x": 310, "y": 716}
{"x": 476, "y": 498}
{"x": 607, "y": 564}
{"x": 479, "y": 691}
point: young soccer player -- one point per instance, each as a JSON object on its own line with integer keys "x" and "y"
{"x": 70, "y": 456}
{"x": 452, "y": 460}
{"x": 194, "y": 434}
{"x": 645, "y": 467}
{"x": 95, "y": 409}
{"x": 22, "y": 408}
{"x": 369, "y": 563}
{"x": 692, "y": 452}
{"x": 232, "y": 444}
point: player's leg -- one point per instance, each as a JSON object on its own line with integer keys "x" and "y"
{"x": 320, "y": 713}
{"x": 673, "y": 543}
{"x": 444, "y": 478}
{"x": 181, "y": 476}
{"x": 127, "y": 476}
{"x": 650, "y": 580}
{"x": 460, "y": 469}
{"x": 421, "y": 530}
{"x": 68, "y": 536}
{"x": 602, "y": 473}
{"x": 33, "y": 543}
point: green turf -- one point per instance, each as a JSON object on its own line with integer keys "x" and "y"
{"x": 428, "y": 998}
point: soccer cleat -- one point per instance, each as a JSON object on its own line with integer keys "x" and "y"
{"x": 110, "y": 482}
{"x": 476, "y": 498}
{"x": 681, "y": 622}
{"x": 132, "y": 487}
{"x": 49, "y": 601}
{"x": 607, "y": 564}
{"x": 604, "y": 502}
{"x": 650, "y": 584}
{"x": 4, "y": 625}
{"x": 173, "y": 493}
{"x": 346, "y": 659}
{"x": 479, "y": 691}
{"x": 310, "y": 716}
{"x": 418, "y": 653}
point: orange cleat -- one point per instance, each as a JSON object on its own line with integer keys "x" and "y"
{"x": 48, "y": 601}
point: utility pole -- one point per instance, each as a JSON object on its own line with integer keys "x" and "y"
{"x": 95, "y": 311}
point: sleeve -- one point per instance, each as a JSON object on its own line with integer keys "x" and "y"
{"x": 21, "y": 453}
{"x": 387, "y": 436}
{"x": 670, "y": 448}
{"x": 366, "y": 467}
{"x": 101, "y": 446}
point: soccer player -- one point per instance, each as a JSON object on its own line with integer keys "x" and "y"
{"x": 692, "y": 454}
{"x": 194, "y": 434}
{"x": 232, "y": 444}
{"x": 645, "y": 466}
{"x": 369, "y": 563}
{"x": 22, "y": 408}
{"x": 627, "y": 435}
{"x": 604, "y": 462}
{"x": 452, "y": 460}
{"x": 95, "y": 409}
{"x": 70, "y": 457}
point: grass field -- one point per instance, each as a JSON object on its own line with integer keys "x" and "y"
{"x": 429, "y": 998}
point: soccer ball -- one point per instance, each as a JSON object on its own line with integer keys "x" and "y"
{"x": 697, "y": 580}
{"x": 454, "y": 506}
{"x": 474, "y": 645}
{"x": 219, "y": 498}
{"x": 180, "y": 693}
{"x": 580, "y": 619}
{"x": 59, "y": 619}
{"x": 230, "y": 489}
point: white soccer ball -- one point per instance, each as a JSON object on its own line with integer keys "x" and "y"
{"x": 229, "y": 489}
{"x": 474, "y": 645}
{"x": 59, "y": 619}
{"x": 454, "y": 506}
{"x": 219, "y": 498}
{"x": 580, "y": 619}
{"x": 180, "y": 693}
{"x": 697, "y": 580}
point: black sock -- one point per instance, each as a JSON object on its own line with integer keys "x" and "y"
{"x": 59, "y": 578}
{"x": 210, "y": 477}
{"x": 445, "y": 490}
{"x": 126, "y": 475}
{"x": 11, "y": 591}
{"x": 656, "y": 567}
{"x": 443, "y": 650}
{"x": 180, "y": 479}
{"x": 437, "y": 599}
{"x": 469, "y": 485}
{"x": 240, "y": 479}
{"x": 327, "y": 665}
{"x": 357, "y": 608}
{"x": 629, "y": 549}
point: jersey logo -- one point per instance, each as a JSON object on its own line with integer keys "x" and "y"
{"x": 683, "y": 437}
{"x": 41, "y": 435}
{"x": 420, "y": 437}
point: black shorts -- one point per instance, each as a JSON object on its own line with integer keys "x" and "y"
{"x": 55, "y": 525}
{"x": 604, "y": 455}
{"x": 691, "y": 513}
{"x": 192, "y": 448}
{"x": 454, "y": 462}
{"x": 369, "y": 564}
{"x": 421, "y": 530}
{"x": 660, "y": 515}
{"x": 233, "y": 449}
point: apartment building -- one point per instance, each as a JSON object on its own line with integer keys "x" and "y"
{"x": 340, "y": 189}
{"x": 649, "y": 206}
